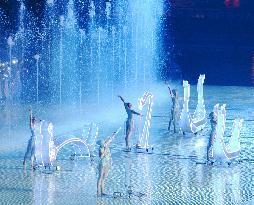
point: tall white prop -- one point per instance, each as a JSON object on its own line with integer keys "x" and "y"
{"x": 221, "y": 151}
{"x": 45, "y": 150}
{"x": 195, "y": 123}
{"x": 144, "y": 123}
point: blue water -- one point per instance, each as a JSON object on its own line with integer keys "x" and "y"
{"x": 173, "y": 174}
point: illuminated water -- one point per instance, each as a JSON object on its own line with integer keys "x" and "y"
{"x": 169, "y": 176}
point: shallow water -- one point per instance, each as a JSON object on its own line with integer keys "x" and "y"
{"x": 174, "y": 174}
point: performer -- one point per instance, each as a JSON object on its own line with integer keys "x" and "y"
{"x": 31, "y": 142}
{"x": 104, "y": 164}
{"x": 174, "y": 115}
{"x": 213, "y": 121}
{"x": 129, "y": 122}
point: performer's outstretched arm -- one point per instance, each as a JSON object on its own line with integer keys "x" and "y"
{"x": 169, "y": 89}
{"x": 110, "y": 139}
{"x": 136, "y": 113}
{"x": 121, "y": 98}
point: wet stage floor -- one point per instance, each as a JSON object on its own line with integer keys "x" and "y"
{"x": 173, "y": 174}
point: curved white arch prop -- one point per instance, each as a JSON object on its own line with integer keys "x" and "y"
{"x": 46, "y": 148}
{"x": 221, "y": 151}
{"x": 198, "y": 121}
{"x": 71, "y": 140}
{"x": 144, "y": 125}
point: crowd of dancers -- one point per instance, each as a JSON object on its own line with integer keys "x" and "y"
{"x": 104, "y": 150}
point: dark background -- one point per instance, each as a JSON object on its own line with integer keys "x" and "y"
{"x": 215, "y": 37}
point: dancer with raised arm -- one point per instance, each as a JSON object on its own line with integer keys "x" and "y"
{"x": 31, "y": 142}
{"x": 174, "y": 113}
{"x": 105, "y": 162}
{"x": 129, "y": 122}
{"x": 213, "y": 121}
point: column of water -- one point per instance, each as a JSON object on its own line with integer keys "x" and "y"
{"x": 37, "y": 57}
{"x": 61, "y": 59}
{"x": 119, "y": 55}
{"x": 108, "y": 16}
{"x": 92, "y": 15}
{"x": 125, "y": 56}
{"x": 136, "y": 54}
{"x": 143, "y": 64}
{"x": 99, "y": 65}
{"x": 22, "y": 31}
{"x": 82, "y": 36}
{"x": 132, "y": 62}
{"x": 113, "y": 62}
{"x": 50, "y": 12}
{"x": 11, "y": 44}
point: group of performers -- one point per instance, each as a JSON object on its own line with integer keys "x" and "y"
{"x": 174, "y": 119}
{"x": 104, "y": 151}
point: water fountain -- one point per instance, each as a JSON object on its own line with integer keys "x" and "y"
{"x": 107, "y": 55}
{"x": 11, "y": 43}
{"x": 109, "y": 45}
{"x": 37, "y": 57}
{"x": 61, "y": 59}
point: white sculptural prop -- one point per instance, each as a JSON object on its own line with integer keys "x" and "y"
{"x": 47, "y": 148}
{"x": 221, "y": 151}
{"x": 44, "y": 145}
{"x": 144, "y": 123}
{"x": 198, "y": 121}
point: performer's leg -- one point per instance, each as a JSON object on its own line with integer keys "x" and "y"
{"x": 32, "y": 153}
{"x": 99, "y": 181}
{"x": 171, "y": 119}
{"x": 28, "y": 151}
{"x": 128, "y": 134}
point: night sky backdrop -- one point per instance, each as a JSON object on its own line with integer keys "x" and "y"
{"x": 215, "y": 37}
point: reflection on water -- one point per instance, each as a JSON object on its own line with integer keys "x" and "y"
{"x": 174, "y": 174}
{"x": 43, "y": 188}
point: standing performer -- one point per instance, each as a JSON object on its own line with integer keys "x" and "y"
{"x": 129, "y": 122}
{"x": 213, "y": 121}
{"x": 174, "y": 115}
{"x": 31, "y": 142}
{"x": 105, "y": 163}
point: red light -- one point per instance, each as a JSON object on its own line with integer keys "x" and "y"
{"x": 227, "y": 3}
{"x": 236, "y": 3}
